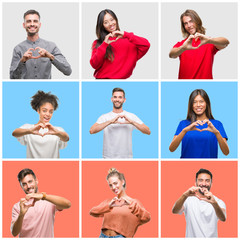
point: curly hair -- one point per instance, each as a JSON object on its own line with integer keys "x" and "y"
{"x": 41, "y": 98}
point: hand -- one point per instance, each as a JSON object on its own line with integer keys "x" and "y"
{"x": 192, "y": 191}
{"x": 193, "y": 126}
{"x": 127, "y": 120}
{"x": 35, "y": 196}
{"x": 118, "y": 34}
{"x": 35, "y": 129}
{"x": 111, "y": 204}
{"x": 134, "y": 207}
{"x": 210, "y": 127}
{"x": 203, "y": 38}
{"x": 51, "y": 130}
{"x": 107, "y": 40}
{"x": 208, "y": 196}
{"x": 187, "y": 45}
{"x": 27, "y": 55}
{"x": 24, "y": 206}
{"x": 115, "y": 120}
{"x": 44, "y": 53}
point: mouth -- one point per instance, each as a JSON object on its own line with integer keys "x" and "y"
{"x": 46, "y": 119}
{"x": 31, "y": 190}
{"x": 112, "y": 28}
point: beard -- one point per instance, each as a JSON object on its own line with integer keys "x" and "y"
{"x": 207, "y": 187}
{"x": 117, "y": 107}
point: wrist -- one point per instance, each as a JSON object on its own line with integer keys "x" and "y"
{"x": 44, "y": 196}
{"x": 216, "y": 132}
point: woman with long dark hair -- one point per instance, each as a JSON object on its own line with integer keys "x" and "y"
{"x": 121, "y": 215}
{"x": 115, "y": 53}
{"x": 200, "y": 133}
{"x": 43, "y": 140}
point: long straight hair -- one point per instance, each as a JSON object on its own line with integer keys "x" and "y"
{"x": 191, "y": 115}
{"x": 101, "y": 32}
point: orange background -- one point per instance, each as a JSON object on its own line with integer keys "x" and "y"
{"x": 141, "y": 183}
{"x": 57, "y": 178}
{"x": 177, "y": 177}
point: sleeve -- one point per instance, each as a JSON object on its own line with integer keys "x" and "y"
{"x": 136, "y": 119}
{"x": 101, "y": 119}
{"x": 98, "y": 55}
{"x": 15, "y": 214}
{"x": 179, "y": 44}
{"x": 60, "y": 61}
{"x": 220, "y": 128}
{"x": 23, "y": 139}
{"x": 180, "y": 127}
{"x": 141, "y": 43}
{"x": 102, "y": 208}
{"x": 17, "y": 68}
{"x": 61, "y": 143}
{"x": 140, "y": 212}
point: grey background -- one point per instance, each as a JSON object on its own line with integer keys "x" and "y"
{"x": 139, "y": 18}
{"x": 219, "y": 19}
{"x": 60, "y": 24}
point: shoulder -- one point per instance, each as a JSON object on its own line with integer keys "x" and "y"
{"x": 184, "y": 122}
{"x": 178, "y": 44}
{"x": 27, "y": 125}
{"x": 16, "y": 207}
{"x": 216, "y": 122}
{"x": 94, "y": 44}
{"x": 129, "y": 114}
{"x": 20, "y": 45}
{"x": 60, "y": 129}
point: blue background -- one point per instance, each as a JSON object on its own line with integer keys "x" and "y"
{"x": 141, "y": 99}
{"x": 174, "y": 105}
{"x": 18, "y": 111}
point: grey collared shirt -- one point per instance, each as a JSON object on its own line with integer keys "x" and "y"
{"x": 37, "y": 68}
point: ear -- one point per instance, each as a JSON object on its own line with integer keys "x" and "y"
{"x": 40, "y": 24}
{"x": 112, "y": 99}
{"x": 36, "y": 180}
{"x": 124, "y": 100}
{"x": 24, "y": 25}
{"x": 38, "y": 110}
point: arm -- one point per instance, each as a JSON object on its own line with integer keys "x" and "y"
{"x": 102, "y": 208}
{"x": 98, "y": 55}
{"x": 142, "y": 127}
{"x": 141, "y": 43}
{"x": 19, "y": 132}
{"x": 60, "y": 202}
{"x": 55, "y": 131}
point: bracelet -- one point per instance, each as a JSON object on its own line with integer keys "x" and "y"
{"x": 44, "y": 196}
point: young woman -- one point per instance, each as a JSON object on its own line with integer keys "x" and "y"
{"x": 121, "y": 215}
{"x": 200, "y": 133}
{"x": 42, "y": 139}
{"x": 115, "y": 53}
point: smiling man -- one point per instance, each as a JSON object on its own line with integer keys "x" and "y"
{"x": 118, "y": 126}
{"x": 196, "y": 52}
{"x": 33, "y": 58}
{"x": 201, "y": 208}
{"x": 34, "y": 215}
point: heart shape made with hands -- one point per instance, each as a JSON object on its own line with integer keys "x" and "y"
{"x": 121, "y": 119}
{"x": 202, "y": 128}
{"x": 35, "y": 50}
{"x": 29, "y": 202}
{"x": 42, "y": 131}
{"x": 119, "y": 203}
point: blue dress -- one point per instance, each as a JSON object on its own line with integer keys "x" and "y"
{"x": 196, "y": 144}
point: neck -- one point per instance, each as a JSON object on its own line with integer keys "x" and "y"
{"x": 117, "y": 110}
{"x": 122, "y": 194}
{"x": 202, "y": 117}
{"x": 33, "y": 38}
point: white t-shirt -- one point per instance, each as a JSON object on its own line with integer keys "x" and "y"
{"x": 117, "y": 138}
{"x": 201, "y": 218}
{"x": 42, "y": 147}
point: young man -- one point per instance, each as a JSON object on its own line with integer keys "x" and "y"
{"x": 196, "y": 52}
{"x": 201, "y": 208}
{"x": 118, "y": 126}
{"x": 34, "y": 215}
{"x": 33, "y": 58}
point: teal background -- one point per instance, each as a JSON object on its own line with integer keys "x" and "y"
{"x": 141, "y": 99}
{"x": 18, "y": 111}
{"x": 174, "y": 104}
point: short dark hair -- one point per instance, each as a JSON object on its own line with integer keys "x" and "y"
{"x": 118, "y": 90}
{"x": 41, "y": 98}
{"x": 31, "y": 11}
{"x": 202, "y": 170}
{"x": 23, "y": 173}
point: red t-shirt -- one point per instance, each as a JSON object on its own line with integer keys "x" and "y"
{"x": 196, "y": 63}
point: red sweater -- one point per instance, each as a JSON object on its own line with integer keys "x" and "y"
{"x": 120, "y": 219}
{"x": 127, "y": 51}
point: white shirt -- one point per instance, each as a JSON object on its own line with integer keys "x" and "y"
{"x": 201, "y": 218}
{"x": 117, "y": 138}
{"x": 42, "y": 147}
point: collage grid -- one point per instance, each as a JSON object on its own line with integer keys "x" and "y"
{"x": 155, "y": 176}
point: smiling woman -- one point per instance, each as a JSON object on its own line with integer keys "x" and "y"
{"x": 42, "y": 139}
{"x": 121, "y": 215}
{"x": 115, "y": 53}
{"x": 200, "y": 133}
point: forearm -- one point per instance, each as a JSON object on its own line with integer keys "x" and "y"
{"x": 60, "y": 62}
{"x": 179, "y": 204}
{"x": 97, "y": 127}
{"x": 219, "y": 42}
{"x": 219, "y": 211}
{"x": 176, "y": 52}
{"x": 19, "y": 132}
{"x": 63, "y": 136}
{"x": 222, "y": 143}
{"x": 142, "y": 127}
{"x": 99, "y": 210}
{"x": 177, "y": 140}
{"x": 60, "y": 202}
{"x": 17, "y": 226}
{"x": 98, "y": 55}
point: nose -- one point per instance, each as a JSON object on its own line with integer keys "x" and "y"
{"x": 28, "y": 185}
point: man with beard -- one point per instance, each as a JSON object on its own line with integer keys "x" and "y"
{"x": 34, "y": 215}
{"x": 33, "y": 58}
{"x": 118, "y": 126}
{"x": 201, "y": 208}
{"x": 196, "y": 52}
